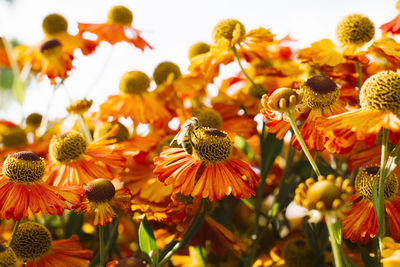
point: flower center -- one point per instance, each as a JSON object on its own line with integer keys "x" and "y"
{"x": 297, "y": 253}
{"x": 67, "y": 147}
{"x": 12, "y": 136}
{"x": 319, "y": 92}
{"x": 134, "y": 82}
{"x": 164, "y": 70}
{"x": 7, "y": 256}
{"x": 50, "y": 47}
{"x": 355, "y": 29}
{"x": 31, "y": 241}
{"x": 105, "y": 127}
{"x": 54, "y": 23}
{"x": 381, "y": 92}
{"x": 79, "y": 106}
{"x": 33, "y": 120}
{"x": 324, "y": 191}
{"x": 281, "y": 100}
{"x": 365, "y": 180}
{"x": 257, "y": 90}
{"x": 225, "y": 28}
{"x": 211, "y": 145}
{"x": 208, "y": 118}
{"x": 120, "y": 15}
{"x": 198, "y": 49}
{"x": 100, "y": 190}
{"x": 24, "y": 167}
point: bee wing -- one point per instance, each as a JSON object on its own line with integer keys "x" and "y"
{"x": 178, "y": 137}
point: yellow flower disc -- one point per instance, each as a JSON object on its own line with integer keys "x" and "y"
{"x": 31, "y": 241}
{"x": 208, "y": 118}
{"x": 54, "y": 23}
{"x": 320, "y": 91}
{"x": 281, "y": 100}
{"x": 33, "y": 120}
{"x": 12, "y": 136}
{"x": 325, "y": 191}
{"x": 134, "y": 82}
{"x": 355, "y": 29}
{"x": 120, "y": 15}
{"x": 198, "y": 49}
{"x": 105, "y": 127}
{"x": 164, "y": 70}
{"x": 381, "y": 92}
{"x": 297, "y": 253}
{"x": 365, "y": 180}
{"x": 225, "y": 28}
{"x": 7, "y": 257}
{"x": 79, "y": 106}
{"x": 24, "y": 167}
{"x": 257, "y": 90}
{"x": 100, "y": 190}
{"x": 211, "y": 145}
{"x": 67, "y": 147}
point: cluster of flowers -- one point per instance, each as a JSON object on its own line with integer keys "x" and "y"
{"x": 196, "y": 185}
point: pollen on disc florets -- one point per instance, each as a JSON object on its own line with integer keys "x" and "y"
{"x": 100, "y": 190}
{"x": 164, "y": 70}
{"x": 134, "y": 82}
{"x": 355, "y": 29}
{"x": 381, "y": 92}
{"x": 211, "y": 145}
{"x": 7, "y": 257}
{"x": 120, "y": 15}
{"x": 54, "y": 23}
{"x": 208, "y": 118}
{"x": 50, "y": 47}
{"x": 67, "y": 147}
{"x": 24, "y": 167}
{"x": 105, "y": 127}
{"x": 31, "y": 241}
{"x": 13, "y": 136}
{"x": 297, "y": 253}
{"x": 225, "y": 29}
{"x": 320, "y": 91}
{"x": 281, "y": 100}
{"x": 365, "y": 180}
{"x": 79, "y": 106}
{"x": 198, "y": 49}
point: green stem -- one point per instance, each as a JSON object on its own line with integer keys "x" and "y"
{"x": 13, "y": 232}
{"x": 302, "y": 143}
{"x": 359, "y": 74}
{"x": 84, "y": 129}
{"x": 101, "y": 242}
{"x": 235, "y": 53}
{"x": 336, "y": 251}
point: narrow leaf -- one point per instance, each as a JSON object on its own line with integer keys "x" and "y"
{"x": 147, "y": 242}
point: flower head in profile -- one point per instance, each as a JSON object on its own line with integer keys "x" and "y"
{"x": 360, "y": 224}
{"x": 34, "y": 245}
{"x": 119, "y": 21}
{"x": 210, "y": 172}
{"x": 7, "y": 256}
{"x": 74, "y": 161}
{"x": 22, "y": 189}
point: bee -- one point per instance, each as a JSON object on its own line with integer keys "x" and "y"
{"x": 184, "y": 136}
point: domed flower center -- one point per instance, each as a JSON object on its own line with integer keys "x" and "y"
{"x": 120, "y": 15}
{"x": 105, "y": 127}
{"x": 50, "y": 47}
{"x": 134, "y": 82}
{"x": 54, "y": 23}
{"x": 257, "y": 90}
{"x": 12, "y": 136}
{"x": 211, "y": 145}
{"x": 297, "y": 252}
{"x": 208, "y": 118}
{"x": 7, "y": 257}
{"x": 281, "y": 100}
{"x": 164, "y": 71}
{"x": 320, "y": 91}
{"x": 24, "y": 167}
{"x": 198, "y": 49}
{"x": 365, "y": 180}
{"x": 381, "y": 92}
{"x": 100, "y": 190}
{"x": 324, "y": 191}
{"x": 34, "y": 120}
{"x": 31, "y": 241}
{"x": 355, "y": 29}
{"x": 67, "y": 147}
{"x": 79, "y": 106}
{"x": 225, "y": 29}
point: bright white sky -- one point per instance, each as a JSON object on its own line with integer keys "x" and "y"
{"x": 171, "y": 27}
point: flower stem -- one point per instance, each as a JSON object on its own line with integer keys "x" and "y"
{"x": 84, "y": 129}
{"x": 359, "y": 74}
{"x": 235, "y": 53}
{"x": 302, "y": 143}
{"x": 101, "y": 244}
{"x": 336, "y": 250}
{"x": 13, "y": 232}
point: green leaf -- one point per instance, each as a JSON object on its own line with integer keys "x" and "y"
{"x": 367, "y": 260}
{"x": 147, "y": 242}
{"x": 241, "y": 144}
{"x": 393, "y": 160}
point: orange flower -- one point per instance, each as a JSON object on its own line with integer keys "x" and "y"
{"x": 101, "y": 195}
{"x": 74, "y": 161}
{"x": 361, "y": 224}
{"x": 33, "y": 244}
{"x": 210, "y": 172}
{"x": 113, "y": 31}
{"x": 22, "y": 189}
{"x": 134, "y": 102}
{"x": 323, "y": 52}
{"x": 392, "y": 26}
{"x": 4, "y": 62}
